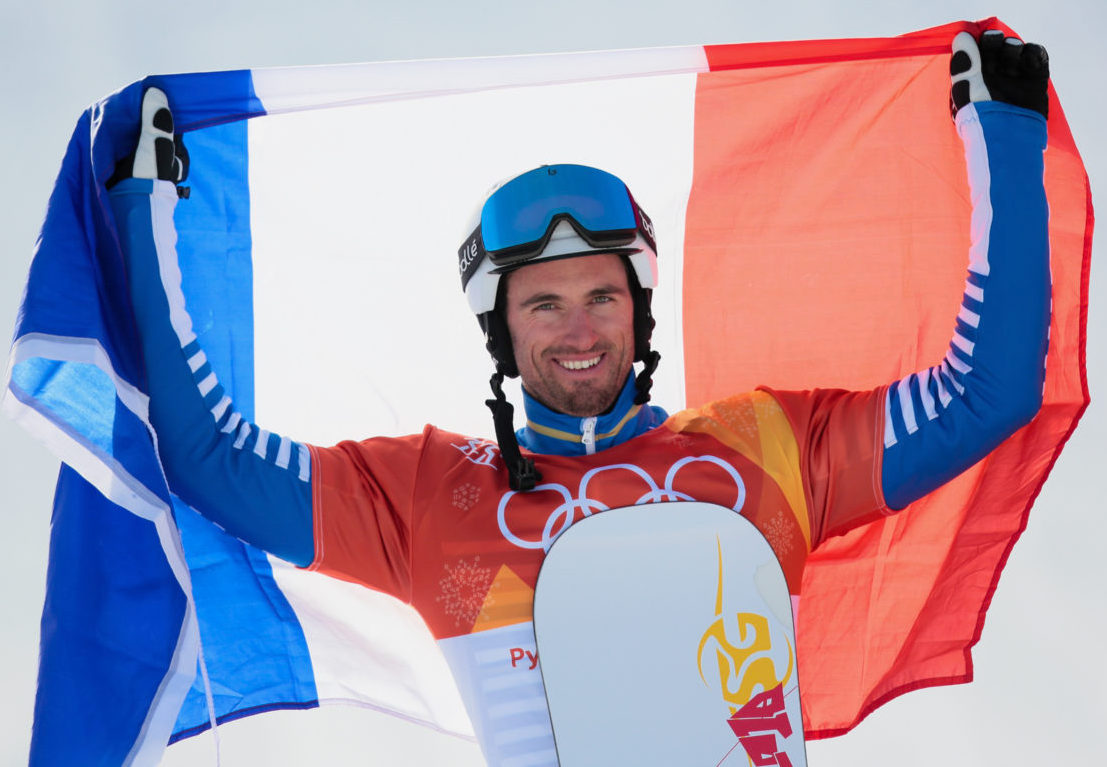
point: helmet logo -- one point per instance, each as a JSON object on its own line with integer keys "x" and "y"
{"x": 466, "y": 256}
{"x": 469, "y": 256}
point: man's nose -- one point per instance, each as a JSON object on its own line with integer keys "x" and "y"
{"x": 580, "y": 328}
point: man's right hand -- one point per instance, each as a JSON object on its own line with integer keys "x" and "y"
{"x": 159, "y": 153}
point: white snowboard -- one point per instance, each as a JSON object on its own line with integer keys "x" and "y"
{"x": 665, "y": 637}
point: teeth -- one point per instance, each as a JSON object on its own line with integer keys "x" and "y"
{"x": 579, "y": 364}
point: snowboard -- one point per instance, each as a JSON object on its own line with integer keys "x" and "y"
{"x": 665, "y": 637}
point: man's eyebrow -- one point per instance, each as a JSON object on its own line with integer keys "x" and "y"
{"x": 601, "y": 290}
{"x": 539, "y": 298}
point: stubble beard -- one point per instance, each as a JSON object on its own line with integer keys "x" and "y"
{"x": 583, "y": 399}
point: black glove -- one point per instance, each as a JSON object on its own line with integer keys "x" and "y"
{"x": 159, "y": 154}
{"x": 1000, "y": 68}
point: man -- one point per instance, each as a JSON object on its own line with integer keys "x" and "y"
{"x": 563, "y": 298}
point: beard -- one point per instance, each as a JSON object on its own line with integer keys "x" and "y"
{"x": 578, "y": 398}
{"x": 581, "y": 401}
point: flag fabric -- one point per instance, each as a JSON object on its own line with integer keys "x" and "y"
{"x": 812, "y": 212}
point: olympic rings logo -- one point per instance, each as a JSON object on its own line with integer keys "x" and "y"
{"x": 565, "y": 514}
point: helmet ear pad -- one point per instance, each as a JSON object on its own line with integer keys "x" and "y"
{"x": 643, "y": 313}
{"x": 497, "y": 338}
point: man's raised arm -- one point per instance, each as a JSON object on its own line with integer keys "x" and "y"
{"x": 941, "y": 420}
{"x": 254, "y": 484}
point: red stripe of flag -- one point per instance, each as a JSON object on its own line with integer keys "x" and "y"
{"x": 827, "y": 246}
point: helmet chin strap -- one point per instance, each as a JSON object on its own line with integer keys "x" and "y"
{"x": 522, "y": 474}
{"x": 644, "y": 380}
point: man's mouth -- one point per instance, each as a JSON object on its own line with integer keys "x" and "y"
{"x": 580, "y": 364}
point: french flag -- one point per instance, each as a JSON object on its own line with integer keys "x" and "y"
{"x": 813, "y": 219}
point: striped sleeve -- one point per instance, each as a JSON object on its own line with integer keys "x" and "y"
{"x": 943, "y": 419}
{"x": 251, "y": 482}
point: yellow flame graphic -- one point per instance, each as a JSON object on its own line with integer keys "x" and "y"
{"x": 745, "y": 667}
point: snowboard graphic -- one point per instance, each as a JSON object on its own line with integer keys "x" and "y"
{"x": 665, "y": 637}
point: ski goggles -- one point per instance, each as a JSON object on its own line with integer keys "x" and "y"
{"x": 518, "y": 218}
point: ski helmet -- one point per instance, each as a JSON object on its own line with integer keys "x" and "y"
{"x": 548, "y": 213}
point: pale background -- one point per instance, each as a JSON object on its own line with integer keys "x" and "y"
{"x": 1040, "y": 695}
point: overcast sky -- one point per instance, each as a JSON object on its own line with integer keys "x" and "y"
{"x": 1039, "y": 697}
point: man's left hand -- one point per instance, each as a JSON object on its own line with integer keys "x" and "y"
{"x": 999, "y": 68}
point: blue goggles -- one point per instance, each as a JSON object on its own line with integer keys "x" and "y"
{"x": 518, "y": 218}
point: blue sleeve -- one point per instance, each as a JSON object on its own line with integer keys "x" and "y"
{"x": 942, "y": 420}
{"x": 254, "y": 484}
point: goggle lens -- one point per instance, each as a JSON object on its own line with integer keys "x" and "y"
{"x": 520, "y": 214}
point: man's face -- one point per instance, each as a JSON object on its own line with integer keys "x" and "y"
{"x": 572, "y": 328}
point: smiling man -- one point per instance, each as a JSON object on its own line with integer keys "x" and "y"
{"x": 571, "y": 330}
{"x": 559, "y": 272}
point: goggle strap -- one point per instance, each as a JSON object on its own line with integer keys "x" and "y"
{"x": 470, "y": 256}
{"x": 645, "y": 224}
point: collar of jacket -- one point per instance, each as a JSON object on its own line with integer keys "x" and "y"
{"x": 552, "y": 433}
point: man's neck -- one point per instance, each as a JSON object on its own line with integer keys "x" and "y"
{"x": 552, "y": 433}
